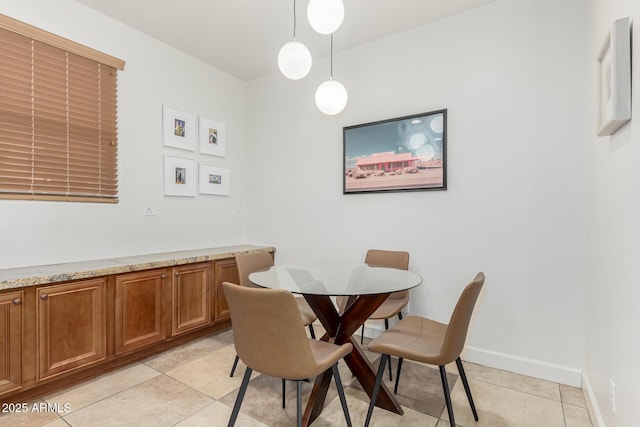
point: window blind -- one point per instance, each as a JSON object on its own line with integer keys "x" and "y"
{"x": 58, "y": 119}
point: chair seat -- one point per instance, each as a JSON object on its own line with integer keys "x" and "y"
{"x": 326, "y": 354}
{"x": 390, "y": 307}
{"x": 308, "y": 316}
{"x": 413, "y": 338}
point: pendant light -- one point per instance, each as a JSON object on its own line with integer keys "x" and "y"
{"x": 325, "y": 16}
{"x": 294, "y": 59}
{"x": 331, "y": 96}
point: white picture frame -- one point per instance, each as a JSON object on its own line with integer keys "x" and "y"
{"x": 179, "y": 176}
{"x": 214, "y": 180}
{"x": 178, "y": 129}
{"x": 614, "y": 78}
{"x": 213, "y": 138}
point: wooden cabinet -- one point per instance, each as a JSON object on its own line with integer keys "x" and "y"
{"x": 190, "y": 297}
{"x": 225, "y": 270}
{"x": 139, "y": 310}
{"x": 71, "y": 326}
{"x": 54, "y": 335}
{"x": 11, "y": 341}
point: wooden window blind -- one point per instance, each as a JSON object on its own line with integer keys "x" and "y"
{"x": 58, "y": 117}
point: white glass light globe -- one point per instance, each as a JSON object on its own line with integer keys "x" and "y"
{"x": 331, "y": 97}
{"x": 325, "y": 16}
{"x": 294, "y": 60}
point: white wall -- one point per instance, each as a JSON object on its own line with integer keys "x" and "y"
{"x": 613, "y": 275}
{"x": 512, "y": 77}
{"x": 34, "y": 233}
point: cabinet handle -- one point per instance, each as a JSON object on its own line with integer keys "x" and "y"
{"x": 17, "y": 301}
{"x": 44, "y": 297}
{"x": 163, "y": 276}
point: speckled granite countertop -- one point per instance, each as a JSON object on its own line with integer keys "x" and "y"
{"x": 47, "y": 274}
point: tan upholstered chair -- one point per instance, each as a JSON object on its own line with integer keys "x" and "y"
{"x": 397, "y": 300}
{"x": 279, "y": 347}
{"x": 393, "y": 305}
{"x": 428, "y": 341}
{"x": 260, "y": 261}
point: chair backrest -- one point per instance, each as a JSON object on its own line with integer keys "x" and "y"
{"x": 249, "y": 263}
{"x": 460, "y": 318}
{"x": 390, "y": 259}
{"x": 268, "y": 332}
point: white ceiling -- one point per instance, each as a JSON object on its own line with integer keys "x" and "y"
{"x": 243, "y": 37}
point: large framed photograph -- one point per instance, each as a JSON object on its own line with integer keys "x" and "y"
{"x": 614, "y": 78}
{"x": 214, "y": 180}
{"x": 402, "y": 154}
{"x": 179, "y": 176}
{"x": 178, "y": 129}
{"x": 213, "y": 138}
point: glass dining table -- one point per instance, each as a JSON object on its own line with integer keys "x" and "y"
{"x": 366, "y": 288}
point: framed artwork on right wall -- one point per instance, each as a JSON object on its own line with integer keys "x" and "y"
{"x": 614, "y": 78}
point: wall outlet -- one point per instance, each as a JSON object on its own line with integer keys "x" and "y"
{"x": 148, "y": 212}
{"x": 236, "y": 212}
{"x": 612, "y": 395}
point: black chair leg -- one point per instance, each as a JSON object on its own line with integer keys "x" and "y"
{"x": 400, "y": 315}
{"x": 395, "y": 387}
{"x": 376, "y": 388}
{"x": 343, "y": 400}
{"x": 283, "y": 404}
{"x": 299, "y": 404}
{"x": 311, "y": 331}
{"x": 235, "y": 365}
{"x": 386, "y": 326}
{"x": 467, "y": 390}
{"x": 362, "y": 334}
{"x": 447, "y": 396}
{"x": 243, "y": 389}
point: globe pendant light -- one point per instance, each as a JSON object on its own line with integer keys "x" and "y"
{"x": 294, "y": 59}
{"x": 331, "y": 95}
{"x": 325, "y": 16}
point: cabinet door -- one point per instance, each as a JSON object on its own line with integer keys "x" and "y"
{"x": 225, "y": 271}
{"x": 10, "y": 341}
{"x": 190, "y": 301}
{"x": 71, "y": 326}
{"x": 140, "y": 311}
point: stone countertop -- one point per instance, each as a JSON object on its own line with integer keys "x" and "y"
{"x": 48, "y": 274}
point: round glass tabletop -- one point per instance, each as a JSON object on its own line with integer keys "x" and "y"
{"x": 336, "y": 279}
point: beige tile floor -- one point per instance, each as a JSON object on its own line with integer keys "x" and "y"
{"x": 190, "y": 386}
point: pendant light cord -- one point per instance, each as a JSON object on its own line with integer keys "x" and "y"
{"x": 331, "y": 54}
{"x": 294, "y": 20}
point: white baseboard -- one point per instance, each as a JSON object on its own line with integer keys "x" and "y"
{"x": 507, "y": 362}
{"x": 592, "y": 403}
{"x": 525, "y": 366}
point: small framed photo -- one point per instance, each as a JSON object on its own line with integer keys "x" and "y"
{"x": 213, "y": 138}
{"x": 179, "y": 176}
{"x": 214, "y": 180}
{"x": 178, "y": 129}
{"x": 614, "y": 78}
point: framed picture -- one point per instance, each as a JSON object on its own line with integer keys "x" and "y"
{"x": 213, "y": 138}
{"x": 179, "y": 176}
{"x": 178, "y": 129}
{"x": 214, "y": 180}
{"x": 614, "y": 78}
{"x": 401, "y": 154}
